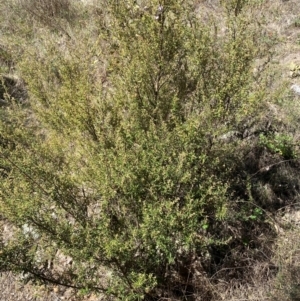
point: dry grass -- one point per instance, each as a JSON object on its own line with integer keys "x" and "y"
{"x": 12, "y": 289}
{"x": 286, "y": 285}
{"x": 48, "y": 11}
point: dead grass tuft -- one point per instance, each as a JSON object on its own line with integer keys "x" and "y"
{"x": 46, "y": 9}
{"x": 286, "y": 285}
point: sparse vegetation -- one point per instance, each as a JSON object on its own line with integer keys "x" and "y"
{"x": 146, "y": 152}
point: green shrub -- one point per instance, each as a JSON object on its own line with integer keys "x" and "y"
{"x": 279, "y": 143}
{"x": 117, "y": 162}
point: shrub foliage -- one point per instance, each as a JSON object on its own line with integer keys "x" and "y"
{"x": 119, "y": 162}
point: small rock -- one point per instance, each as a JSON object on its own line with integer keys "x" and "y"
{"x": 231, "y": 136}
{"x": 296, "y": 89}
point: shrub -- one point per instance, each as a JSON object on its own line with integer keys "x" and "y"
{"x": 117, "y": 163}
{"x": 278, "y": 143}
